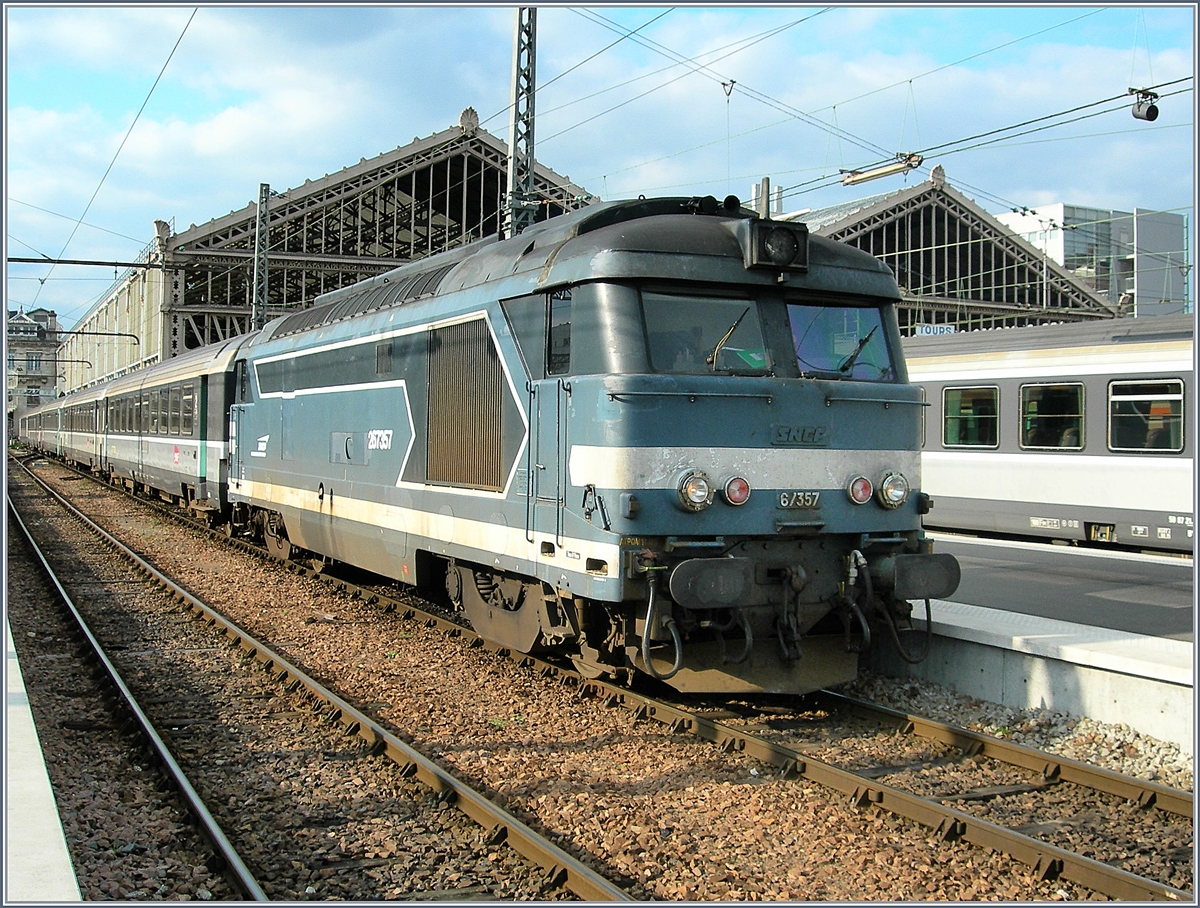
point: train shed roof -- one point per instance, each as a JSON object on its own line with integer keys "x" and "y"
{"x": 955, "y": 263}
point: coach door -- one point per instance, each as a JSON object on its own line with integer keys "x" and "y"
{"x": 142, "y": 421}
{"x": 236, "y": 417}
{"x": 99, "y": 426}
{"x": 101, "y": 434}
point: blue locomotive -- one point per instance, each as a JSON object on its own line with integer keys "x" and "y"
{"x": 659, "y": 435}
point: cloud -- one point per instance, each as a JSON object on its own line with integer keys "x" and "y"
{"x": 282, "y": 94}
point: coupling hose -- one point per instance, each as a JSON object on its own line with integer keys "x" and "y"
{"x": 911, "y": 660}
{"x": 651, "y": 615}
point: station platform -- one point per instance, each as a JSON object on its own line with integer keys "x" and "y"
{"x": 1028, "y": 662}
{"x": 38, "y": 867}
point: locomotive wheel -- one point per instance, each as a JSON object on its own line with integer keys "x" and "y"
{"x": 588, "y": 668}
{"x": 275, "y": 537}
{"x": 502, "y": 609}
{"x": 500, "y": 592}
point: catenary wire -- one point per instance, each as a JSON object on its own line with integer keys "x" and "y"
{"x": 120, "y": 147}
{"x": 67, "y": 217}
{"x": 702, "y": 69}
{"x": 732, "y": 47}
{"x": 841, "y": 133}
{"x": 538, "y": 88}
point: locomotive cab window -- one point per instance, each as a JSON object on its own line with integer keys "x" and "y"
{"x": 1052, "y": 417}
{"x": 558, "y": 334}
{"x": 970, "y": 417}
{"x": 242, "y": 382}
{"x": 1145, "y": 416}
{"x": 847, "y": 342}
{"x": 699, "y": 335}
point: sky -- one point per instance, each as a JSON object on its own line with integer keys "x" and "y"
{"x": 116, "y": 116}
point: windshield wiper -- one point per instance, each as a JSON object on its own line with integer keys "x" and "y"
{"x": 848, "y": 362}
{"x": 711, "y": 359}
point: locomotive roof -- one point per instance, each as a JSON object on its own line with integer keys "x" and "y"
{"x": 662, "y": 238}
{"x": 1108, "y": 332}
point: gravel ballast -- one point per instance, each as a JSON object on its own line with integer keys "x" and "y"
{"x": 668, "y": 816}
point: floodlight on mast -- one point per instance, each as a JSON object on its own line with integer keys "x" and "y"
{"x": 903, "y": 163}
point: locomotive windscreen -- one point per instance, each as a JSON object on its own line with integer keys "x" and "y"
{"x": 841, "y": 342}
{"x": 697, "y": 334}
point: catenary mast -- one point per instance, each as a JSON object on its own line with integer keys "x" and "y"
{"x": 520, "y": 204}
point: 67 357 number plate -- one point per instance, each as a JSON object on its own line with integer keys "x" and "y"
{"x": 797, "y": 500}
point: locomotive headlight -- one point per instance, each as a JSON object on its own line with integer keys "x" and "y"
{"x": 893, "y": 491}
{"x": 737, "y": 491}
{"x": 695, "y": 491}
{"x": 859, "y": 489}
{"x": 781, "y": 246}
{"x": 776, "y": 246}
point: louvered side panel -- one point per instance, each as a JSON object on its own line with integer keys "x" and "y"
{"x": 466, "y": 388}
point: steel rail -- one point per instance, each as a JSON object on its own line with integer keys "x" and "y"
{"x": 1047, "y": 860}
{"x": 1050, "y": 766}
{"x": 561, "y": 868}
{"x": 236, "y": 871}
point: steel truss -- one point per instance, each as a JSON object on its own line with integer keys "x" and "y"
{"x": 405, "y": 205}
{"x": 957, "y": 265}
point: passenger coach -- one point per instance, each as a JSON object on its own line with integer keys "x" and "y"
{"x": 1077, "y": 431}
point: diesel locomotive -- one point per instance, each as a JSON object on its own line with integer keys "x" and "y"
{"x": 660, "y": 436}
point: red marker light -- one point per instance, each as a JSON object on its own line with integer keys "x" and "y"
{"x": 859, "y": 490}
{"x": 737, "y": 491}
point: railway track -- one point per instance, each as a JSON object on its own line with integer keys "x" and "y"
{"x": 105, "y": 702}
{"x": 496, "y": 827}
{"x": 774, "y": 736}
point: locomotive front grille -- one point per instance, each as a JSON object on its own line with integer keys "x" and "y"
{"x": 466, "y": 395}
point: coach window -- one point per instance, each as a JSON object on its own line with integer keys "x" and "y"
{"x": 1145, "y": 416}
{"x": 176, "y": 408}
{"x": 153, "y": 412}
{"x": 189, "y": 409}
{"x": 164, "y": 411}
{"x": 971, "y": 417}
{"x": 1052, "y": 417}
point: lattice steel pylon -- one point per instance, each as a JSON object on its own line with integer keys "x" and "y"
{"x": 258, "y": 304}
{"x": 520, "y": 208}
